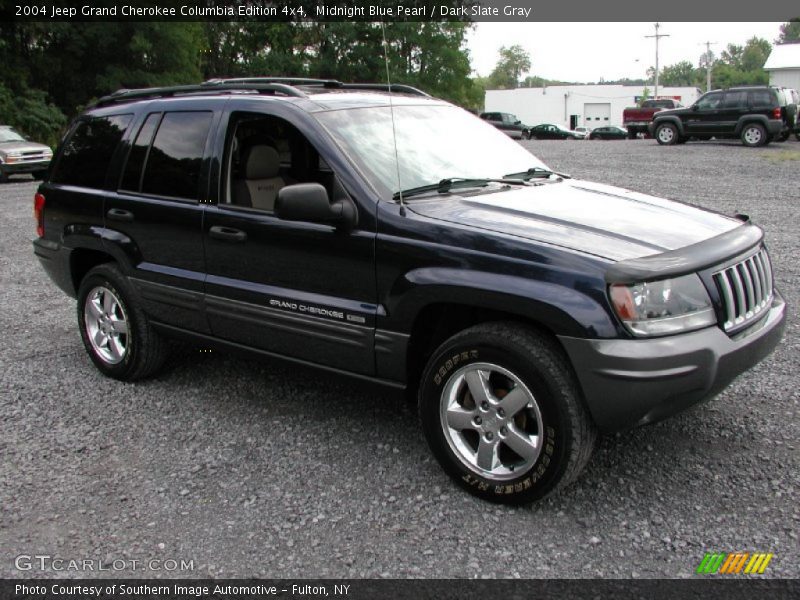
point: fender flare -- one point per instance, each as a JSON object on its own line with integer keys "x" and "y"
{"x": 752, "y": 118}
{"x": 562, "y": 309}
{"x": 669, "y": 119}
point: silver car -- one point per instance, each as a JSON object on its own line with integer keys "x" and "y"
{"x": 18, "y": 155}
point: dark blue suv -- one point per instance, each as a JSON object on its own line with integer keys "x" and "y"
{"x": 393, "y": 237}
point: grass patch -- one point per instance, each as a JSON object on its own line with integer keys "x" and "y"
{"x": 784, "y": 155}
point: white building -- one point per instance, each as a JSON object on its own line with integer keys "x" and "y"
{"x": 577, "y": 105}
{"x": 783, "y": 66}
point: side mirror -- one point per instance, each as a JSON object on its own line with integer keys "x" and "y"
{"x": 310, "y": 202}
{"x": 517, "y": 122}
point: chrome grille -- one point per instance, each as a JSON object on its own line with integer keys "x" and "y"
{"x": 745, "y": 289}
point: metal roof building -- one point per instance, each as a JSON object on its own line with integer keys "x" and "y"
{"x": 783, "y": 66}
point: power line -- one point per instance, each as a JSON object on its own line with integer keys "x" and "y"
{"x": 657, "y": 37}
{"x": 709, "y": 64}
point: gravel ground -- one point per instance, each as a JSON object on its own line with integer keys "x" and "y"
{"x": 247, "y": 469}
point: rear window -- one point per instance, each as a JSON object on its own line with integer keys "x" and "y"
{"x": 87, "y": 153}
{"x": 175, "y": 159}
{"x": 131, "y": 179}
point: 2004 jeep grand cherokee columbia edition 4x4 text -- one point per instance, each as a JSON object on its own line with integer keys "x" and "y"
{"x": 530, "y": 310}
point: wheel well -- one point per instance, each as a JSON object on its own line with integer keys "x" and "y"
{"x": 437, "y": 322}
{"x": 82, "y": 261}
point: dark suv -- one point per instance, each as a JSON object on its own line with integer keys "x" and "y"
{"x": 756, "y": 115}
{"x": 526, "y": 310}
{"x": 506, "y": 122}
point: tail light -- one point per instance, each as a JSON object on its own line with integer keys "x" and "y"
{"x": 38, "y": 214}
{"x": 776, "y": 112}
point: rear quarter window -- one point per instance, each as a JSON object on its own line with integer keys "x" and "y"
{"x": 87, "y": 152}
{"x": 763, "y": 98}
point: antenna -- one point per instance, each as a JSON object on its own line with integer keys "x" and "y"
{"x": 657, "y": 36}
{"x": 391, "y": 112}
{"x": 708, "y": 63}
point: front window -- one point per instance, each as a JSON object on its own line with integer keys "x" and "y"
{"x": 433, "y": 143}
{"x": 9, "y": 135}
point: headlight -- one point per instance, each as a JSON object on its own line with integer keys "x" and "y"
{"x": 663, "y": 307}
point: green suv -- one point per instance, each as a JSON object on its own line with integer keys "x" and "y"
{"x": 756, "y": 115}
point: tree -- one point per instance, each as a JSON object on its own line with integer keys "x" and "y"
{"x": 679, "y": 74}
{"x": 514, "y": 61}
{"x": 790, "y": 32}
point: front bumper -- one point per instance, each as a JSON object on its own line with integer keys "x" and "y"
{"x": 632, "y": 382}
{"x": 24, "y": 166}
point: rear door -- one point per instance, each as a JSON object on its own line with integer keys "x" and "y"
{"x": 156, "y": 212}
{"x": 732, "y": 108}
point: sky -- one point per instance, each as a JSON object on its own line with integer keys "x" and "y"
{"x": 585, "y": 52}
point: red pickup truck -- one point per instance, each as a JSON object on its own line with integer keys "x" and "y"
{"x": 636, "y": 118}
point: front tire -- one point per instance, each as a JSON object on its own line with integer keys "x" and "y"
{"x": 115, "y": 331}
{"x": 667, "y": 134}
{"x": 502, "y": 413}
{"x": 754, "y": 135}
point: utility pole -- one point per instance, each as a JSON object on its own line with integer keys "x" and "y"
{"x": 657, "y": 37}
{"x": 709, "y": 65}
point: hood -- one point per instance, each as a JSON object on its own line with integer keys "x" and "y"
{"x": 6, "y": 147}
{"x": 671, "y": 111}
{"x": 597, "y": 219}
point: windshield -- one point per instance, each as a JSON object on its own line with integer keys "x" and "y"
{"x": 9, "y": 135}
{"x": 433, "y": 143}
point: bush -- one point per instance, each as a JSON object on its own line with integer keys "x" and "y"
{"x": 29, "y": 112}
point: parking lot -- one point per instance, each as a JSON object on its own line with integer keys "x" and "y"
{"x": 260, "y": 469}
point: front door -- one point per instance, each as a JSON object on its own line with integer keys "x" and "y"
{"x": 298, "y": 289}
{"x": 703, "y": 117}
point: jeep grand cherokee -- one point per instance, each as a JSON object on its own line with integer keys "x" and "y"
{"x": 391, "y": 236}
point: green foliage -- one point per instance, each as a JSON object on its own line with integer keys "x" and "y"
{"x": 31, "y": 114}
{"x": 645, "y": 96}
{"x": 514, "y": 61}
{"x": 790, "y": 32}
{"x": 679, "y": 74}
{"x": 58, "y": 68}
{"x": 737, "y": 65}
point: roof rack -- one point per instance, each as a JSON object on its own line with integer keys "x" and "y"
{"x": 287, "y": 86}
{"x": 326, "y": 83}
{"x": 124, "y": 95}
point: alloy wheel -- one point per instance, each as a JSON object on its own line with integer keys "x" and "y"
{"x": 106, "y": 325}
{"x": 491, "y": 421}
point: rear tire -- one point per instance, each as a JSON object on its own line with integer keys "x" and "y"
{"x": 667, "y": 134}
{"x": 754, "y": 135}
{"x": 39, "y": 175}
{"x": 502, "y": 413}
{"x": 115, "y": 331}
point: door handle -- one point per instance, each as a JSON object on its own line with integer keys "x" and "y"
{"x": 118, "y": 214}
{"x": 227, "y": 234}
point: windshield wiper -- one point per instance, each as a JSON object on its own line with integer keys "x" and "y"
{"x": 535, "y": 173}
{"x": 445, "y": 185}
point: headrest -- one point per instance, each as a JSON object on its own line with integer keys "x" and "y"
{"x": 263, "y": 162}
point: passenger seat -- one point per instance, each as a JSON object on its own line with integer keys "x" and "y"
{"x": 262, "y": 180}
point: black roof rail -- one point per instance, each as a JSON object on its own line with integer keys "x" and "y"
{"x": 124, "y": 95}
{"x": 326, "y": 83}
{"x": 287, "y": 86}
{"x": 284, "y": 80}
